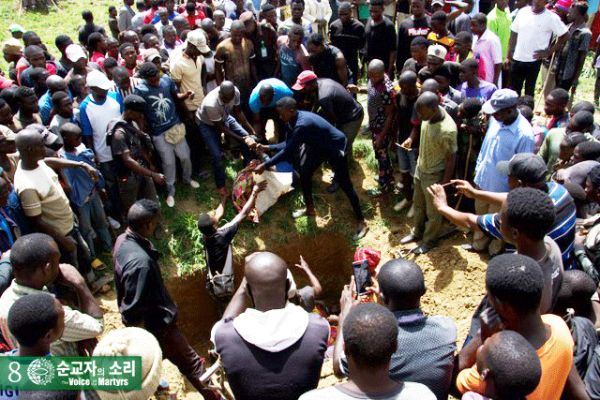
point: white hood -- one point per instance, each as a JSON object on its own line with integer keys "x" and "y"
{"x": 273, "y": 330}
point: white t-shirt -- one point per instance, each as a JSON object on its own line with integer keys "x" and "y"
{"x": 535, "y": 32}
{"x": 409, "y": 391}
{"x": 94, "y": 118}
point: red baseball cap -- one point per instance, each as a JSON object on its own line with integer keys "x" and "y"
{"x": 303, "y": 79}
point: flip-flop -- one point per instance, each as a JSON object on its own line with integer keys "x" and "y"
{"x": 98, "y": 265}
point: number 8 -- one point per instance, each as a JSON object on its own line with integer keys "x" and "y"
{"x": 14, "y": 372}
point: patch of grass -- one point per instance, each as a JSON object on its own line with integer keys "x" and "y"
{"x": 363, "y": 149}
{"x": 56, "y": 21}
{"x": 185, "y": 243}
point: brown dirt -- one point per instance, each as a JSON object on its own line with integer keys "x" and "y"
{"x": 454, "y": 277}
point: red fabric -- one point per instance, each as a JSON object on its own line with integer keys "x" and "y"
{"x": 372, "y": 256}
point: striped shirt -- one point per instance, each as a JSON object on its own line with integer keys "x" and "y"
{"x": 122, "y": 93}
{"x": 78, "y": 326}
{"x": 563, "y": 230}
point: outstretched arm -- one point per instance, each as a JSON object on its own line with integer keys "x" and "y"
{"x": 314, "y": 281}
{"x": 459, "y": 218}
{"x": 259, "y": 187}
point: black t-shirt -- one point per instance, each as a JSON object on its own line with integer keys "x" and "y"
{"x": 217, "y": 246}
{"x": 350, "y": 39}
{"x": 324, "y": 64}
{"x": 408, "y": 30}
{"x": 406, "y": 112}
{"x": 381, "y": 40}
{"x": 254, "y": 373}
{"x": 335, "y": 99}
{"x": 125, "y": 137}
{"x": 86, "y": 30}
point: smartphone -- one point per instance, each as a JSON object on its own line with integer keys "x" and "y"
{"x": 362, "y": 276}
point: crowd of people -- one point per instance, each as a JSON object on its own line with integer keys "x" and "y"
{"x": 90, "y": 136}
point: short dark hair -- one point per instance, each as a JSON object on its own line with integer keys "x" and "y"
{"x": 464, "y": 36}
{"x": 112, "y": 8}
{"x": 370, "y": 335}
{"x": 205, "y": 224}
{"x": 287, "y": 103}
{"x": 480, "y": 18}
{"x": 583, "y": 120}
{"x": 141, "y": 213}
{"x": 439, "y": 16}
{"x": 297, "y": 30}
{"x": 582, "y": 285}
{"x": 470, "y": 63}
{"x": 23, "y": 92}
{"x": 401, "y": 280}
{"x": 148, "y": 70}
{"x": 29, "y": 36}
{"x": 31, "y": 317}
{"x": 516, "y": 280}
{"x": 531, "y": 211}
{"x": 594, "y": 176}
{"x": 574, "y": 138}
{"x": 146, "y": 29}
{"x": 377, "y": 3}
{"x": 583, "y": 106}
{"x": 589, "y": 150}
{"x": 32, "y": 251}
{"x": 110, "y": 62}
{"x": 61, "y": 41}
{"x": 471, "y": 106}
{"x": 125, "y": 45}
{"x": 57, "y": 97}
{"x": 87, "y": 15}
{"x": 420, "y": 41}
{"x": 581, "y": 7}
{"x": 527, "y": 100}
{"x": 560, "y": 94}
{"x": 316, "y": 39}
{"x": 515, "y": 365}
{"x": 525, "y": 111}
{"x": 93, "y": 40}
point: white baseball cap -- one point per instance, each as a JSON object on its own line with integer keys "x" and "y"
{"x": 75, "y": 52}
{"x": 437, "y": 50}
{"x": 98, "y": 79}
{"x": 198, "y": 39}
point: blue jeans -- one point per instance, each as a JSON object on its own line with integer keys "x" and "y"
{"x": 92, "y": 221}
{"x": 212, "y": 140}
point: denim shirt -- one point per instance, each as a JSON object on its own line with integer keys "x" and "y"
{"x": 501, "y": 143}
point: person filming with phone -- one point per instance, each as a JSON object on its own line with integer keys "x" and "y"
{"x": 426, "y": 344}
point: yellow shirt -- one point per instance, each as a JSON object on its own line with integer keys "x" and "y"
{"x": 187, "y": 74}
{"x": 437, "y": 142}
{"x": 556, "y": 357}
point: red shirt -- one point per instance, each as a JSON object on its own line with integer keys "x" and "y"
{"x": 199, "y": 15}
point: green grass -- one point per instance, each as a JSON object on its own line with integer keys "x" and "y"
{"x": 63, "y": 20}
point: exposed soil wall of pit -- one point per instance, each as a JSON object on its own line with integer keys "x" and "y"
{"x": 329, "y": 256}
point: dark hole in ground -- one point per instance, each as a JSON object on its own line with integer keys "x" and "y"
{"x": 329, "y": 256}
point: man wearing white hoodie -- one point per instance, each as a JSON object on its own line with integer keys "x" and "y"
{"x": 274, "y": 350}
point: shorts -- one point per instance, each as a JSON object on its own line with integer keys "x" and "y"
{"x": 407, "y": 161}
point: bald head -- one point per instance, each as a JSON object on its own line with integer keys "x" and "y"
{"x": 27, "y": 140}
{"x": 408, "y": 78}
{"x": 430, "y": 85}
{"x": 55, "y": 84}
{"x": 266, "y": 90}
{"x": 345, "y": 7}
{"x": 237, "y": 26}
{"x": 376, "y": 66}
{"x": 227, "y": 90}
{"x": 402, "y": 284}
{"x": 428, "y": 100}
{"x": 266, "y": 276}
{"x": 218, "y": 13}
{"x": 207, "y": 24}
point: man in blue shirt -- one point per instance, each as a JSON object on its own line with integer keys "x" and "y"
{"x": 322, "y": 142}
{"x": 508, "y": 133}
{"x": 55, "y": 84}
{"x": 262, "y": 103}
{"x": 167, "y": 130}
